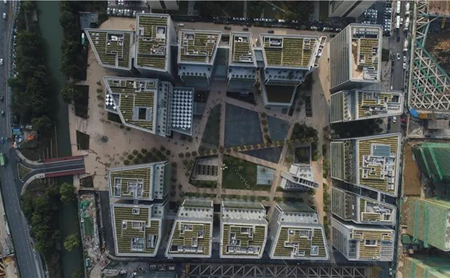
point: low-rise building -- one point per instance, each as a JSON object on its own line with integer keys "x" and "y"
{"x": 243, "y": 230}
{"x": 150, "y": 105}
{"x": 357, "y": 105}
{"x": 296, "y": 234}
{"x": 299, "y": 178}
{"x": 242, "y": 62}
{"x": 192, "y": 231}
{"x": 113, "y": 49}
{"x": 371, "y": 162}
{"x": 363, "y": 242}
{"x": 142, "y": 182}
{"x": 137, "y": 229}
{"x": 349, "y": 206}
{"x": 197, "y": 51}
{"x": 355, "y": 57}
{"x": 428, "y": 220}
{"x": 288, "y": 59}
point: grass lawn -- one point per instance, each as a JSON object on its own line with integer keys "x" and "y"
{"x": 240, "y": 174}
{"x": 22, "y": 170}
{"x": 210, "y": 139}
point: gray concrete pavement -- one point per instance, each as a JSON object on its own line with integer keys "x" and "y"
{"x": 29, "y": 261}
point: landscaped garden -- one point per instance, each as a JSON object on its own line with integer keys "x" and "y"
{"x": 240, "y": 174}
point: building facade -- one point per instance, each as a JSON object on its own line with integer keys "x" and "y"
{"x": 242, "y": 67}
{"x": 344, "y": 8}
{"x": 288, "y": 59}
{"x": 197, "y": 51}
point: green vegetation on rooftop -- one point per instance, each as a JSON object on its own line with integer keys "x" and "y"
{"x": 295, "y": 52}
{"x": 200, "y": 48}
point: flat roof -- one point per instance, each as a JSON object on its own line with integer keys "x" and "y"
{"x": 290, "y": 51}
{"x": 350, "y": 206}
{"x": 242, "y": 53}
{"x": 373, "y": 243}
{"x": 192, "y": 230}
{"x": 140, "y": 182}
{"x": 243, "y": 229}
{"x": 365, "y": 52}
{"x": 137, "y": 228}
{"x": 152, "y": 38}
{"x": 365, "y": 104}
{"x": 198, "y": 46}
{"x": 134, "y": 99}
{"x": 111, "y": 47}
{"x": 378, "y": 160}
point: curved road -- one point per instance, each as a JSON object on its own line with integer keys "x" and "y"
{"x": 29, "y": 261}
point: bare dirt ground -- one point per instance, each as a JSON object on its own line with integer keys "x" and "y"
{"x": 411, "y": 174}
{"x": 439, "y": 47}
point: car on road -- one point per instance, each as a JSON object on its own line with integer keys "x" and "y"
{"x": 227, "y": 28}
{"x": 1, "y": 62}
{"x": 2, "y": 159}
{"x": 180, "y": 24}
{"x": 404, "y": 65}
{"x": 245, "y": 29}
{"x": 4, "y": 15}
{"x": 394, "y": 119}
{"x": 270, "y": 31}
{"x": 398, "y": 56}
{"x": 3, "y": 113}
{"x": 2, "y": 98}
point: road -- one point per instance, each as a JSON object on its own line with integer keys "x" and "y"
{"x": 29, "y": 261}
{"x": 396, "y": 43}
{"x": 71, "y": 166}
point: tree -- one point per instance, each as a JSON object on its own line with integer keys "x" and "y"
{"x": 72, "y": 241}
{"x": 67, "y": 193}
{"x": 69, "y": 92}
{"x": 42, "y": 123}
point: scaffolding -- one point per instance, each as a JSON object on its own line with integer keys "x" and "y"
{"x": 277, "y": 271}
{"x": 429, "y": 84}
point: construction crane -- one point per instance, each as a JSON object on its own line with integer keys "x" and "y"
{"x": 444, "y": 18}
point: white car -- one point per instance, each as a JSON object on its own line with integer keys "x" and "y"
{"x": 1, "y": 62}
{"x": 394, "y": 119}
{"x": 4, "y": 15}
{"x": 398, "y": 56}
{"x": 404, "y": 65}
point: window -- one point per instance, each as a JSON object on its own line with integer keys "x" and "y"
{"x": 368, "y": 242}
